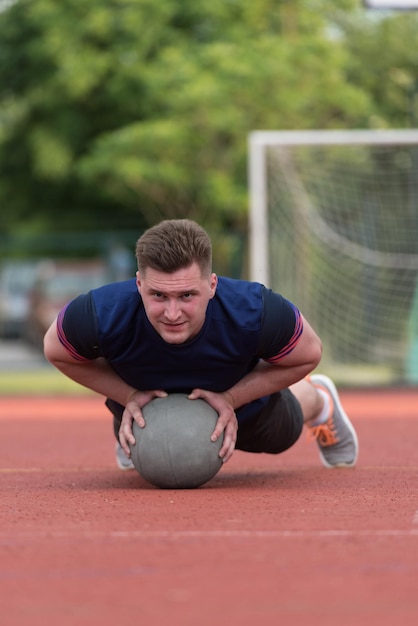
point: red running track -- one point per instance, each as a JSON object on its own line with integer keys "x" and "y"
{"x": 269, "y": 541}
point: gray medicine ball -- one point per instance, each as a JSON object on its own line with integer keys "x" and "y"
{"x": 174, "y": 450}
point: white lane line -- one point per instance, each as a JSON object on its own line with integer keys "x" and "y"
{"x": 204, "y": 534}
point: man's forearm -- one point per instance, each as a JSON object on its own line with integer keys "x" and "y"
{"x": 98, "y": 376}
{"x": 265, "y": 379}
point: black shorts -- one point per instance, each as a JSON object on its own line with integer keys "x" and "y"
{"x": 275, "y": 429}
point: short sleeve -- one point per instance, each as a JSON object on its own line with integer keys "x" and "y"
{"x": 77, "y": 328}
{"x": 281, "y": 329}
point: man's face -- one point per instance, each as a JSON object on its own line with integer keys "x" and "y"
{"x": 176, "y": 303}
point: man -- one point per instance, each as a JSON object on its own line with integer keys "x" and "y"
{"x": 177, "y": 327}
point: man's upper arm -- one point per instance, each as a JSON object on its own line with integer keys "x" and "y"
{"x": 53, "y": 348}
{"x": 307, "y": 350}
{"x": 282, "y": 326}
{"x": 287, "y": 338}
{"x": 74, "y": 333}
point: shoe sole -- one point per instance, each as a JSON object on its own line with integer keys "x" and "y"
{"x": 323, "y": 381}
{"x": 122, "y": 467}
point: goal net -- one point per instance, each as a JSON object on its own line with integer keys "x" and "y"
{"x": 334, "y": 228}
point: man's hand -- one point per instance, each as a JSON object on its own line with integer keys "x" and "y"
{"x": 137, "y": 400}
{"x": 227, "y": 421}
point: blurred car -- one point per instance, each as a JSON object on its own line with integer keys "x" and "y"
{"x": 16, "y": 281}
{"x": 57, "y": 283}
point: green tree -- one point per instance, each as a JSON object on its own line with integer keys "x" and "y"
{"x": 233, "y": 70}
{"x": 383, "y": 61}
{"x": 118, "y": 113}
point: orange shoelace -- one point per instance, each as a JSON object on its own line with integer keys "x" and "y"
{"x": 325, "y": 434}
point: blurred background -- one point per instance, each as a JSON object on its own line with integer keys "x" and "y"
{"x": 115, "y": 114}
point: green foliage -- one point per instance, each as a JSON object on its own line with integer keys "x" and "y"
{"x": 383, "y": 60}
{"x": 118, "y": 113}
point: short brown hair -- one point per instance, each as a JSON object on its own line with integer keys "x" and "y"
{"x": 174, "y": 244}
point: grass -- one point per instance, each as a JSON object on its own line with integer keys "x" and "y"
{"x": 39, "y": 382}
{"x": 47, "y": 380}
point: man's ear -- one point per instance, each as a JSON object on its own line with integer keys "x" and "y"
{"x": 138, "y": 282}
{"x": 213, "y": 284}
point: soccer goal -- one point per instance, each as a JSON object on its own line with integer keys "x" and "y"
{"x": 334, "y": 228}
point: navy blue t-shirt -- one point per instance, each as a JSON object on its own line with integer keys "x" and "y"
{"x": 244, "y": 322}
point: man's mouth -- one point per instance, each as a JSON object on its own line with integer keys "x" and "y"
{"x": 173, "y": 324}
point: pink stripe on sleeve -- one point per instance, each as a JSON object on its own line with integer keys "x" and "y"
{"x": 63, "y": 339}
{"x": 293, "y": 341}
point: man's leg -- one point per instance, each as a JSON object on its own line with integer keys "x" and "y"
{"x": 275, "y": 429}
{"x": 327, "y": 421}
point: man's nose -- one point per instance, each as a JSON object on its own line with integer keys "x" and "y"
{"x": 172, "y": 311}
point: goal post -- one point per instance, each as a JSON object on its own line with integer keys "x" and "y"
{"x": 333, "y": 226}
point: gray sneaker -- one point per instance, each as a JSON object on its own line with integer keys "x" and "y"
{"x": 336, "y": 438}
{"x": 122, "y": 460}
